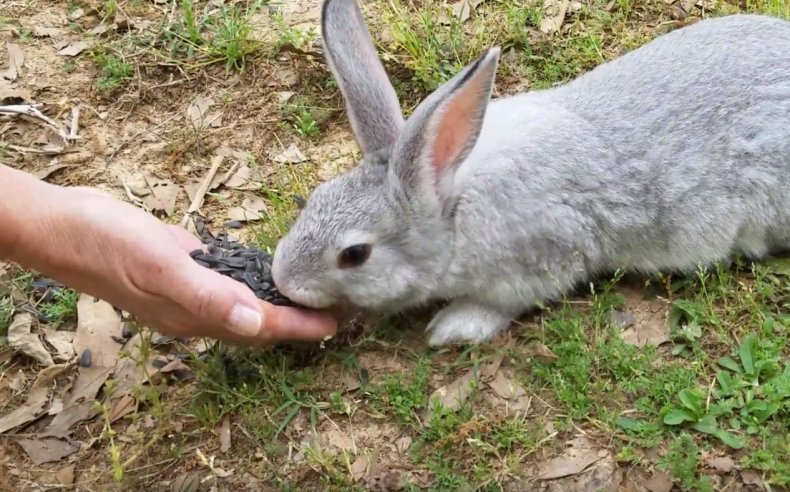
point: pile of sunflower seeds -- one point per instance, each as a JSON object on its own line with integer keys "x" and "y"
{"x": 248, "y": 265}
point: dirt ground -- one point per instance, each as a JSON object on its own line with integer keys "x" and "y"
{"x": 147, "y": 124}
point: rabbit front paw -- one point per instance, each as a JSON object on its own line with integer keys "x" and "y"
{"x": 464, "y": 321}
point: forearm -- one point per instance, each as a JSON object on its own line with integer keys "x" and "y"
{"x": 27, "y": 211}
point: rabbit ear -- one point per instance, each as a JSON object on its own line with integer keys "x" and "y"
{"x": 443, "y": 129}
{"x": 371, "y": 102}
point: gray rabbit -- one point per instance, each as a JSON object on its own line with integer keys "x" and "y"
{"x": 673, "y": 156}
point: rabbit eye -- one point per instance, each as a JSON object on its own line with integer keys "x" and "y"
{"x": 353, "y": 256}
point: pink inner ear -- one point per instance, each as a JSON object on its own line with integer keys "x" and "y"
{"x": 456, "y": 126}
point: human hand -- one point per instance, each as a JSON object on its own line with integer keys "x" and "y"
{"x": 117, "y": 252}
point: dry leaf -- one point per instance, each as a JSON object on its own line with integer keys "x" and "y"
{"x": 659, "y": 482}
{"x": 70, "y": 416}
{"x": 575, "y": 459}
{"x": 15, "y": 61}
{"x": 22, "y": 340}
{"x": 9, "y": 95}
{"x": 97, "y": 321}
{"x": 359, "y": 468}
{"x": 48, "y": 171}
{"x": 45, "y": 32}
{"x": 163, "y": 194}
{"x": 128, "y": 371}
{"x": 722, "y": 464}
{"x": 36, "y": 401}
{"x": 463, "y": 9}
{"x": 505, "y": 388}
{"x": 187, "y": 482}
{"x": 284, "y": 96}
{"x": 73, "y": 49}
{"x": 291, "y": 155}
{"x": 46, "y": 450}
{"x": 284, "y": 78}
{"x": 177, "y": 368}
{"x": 751, "y": 477}
{"x": 88, "y": 383}
{"x": 245, "y": 178}
{"x": 651, "y": 326}
{"x": 62, "y": 342}
{"x": 489, "y": 370}
{"x": 541, "y": 352}
{"x": 65, "y": 476}
{"x": 340, "y": 440}
{"x": 196, "y": 111}
{"x": 554, "y": 15}
{"x": 403, "y": 443}
{"x": 252, "y": 208}
{"x": 122, "y": 407}
{"x": 224, "y": 435}
{"x": 452, "y": 396}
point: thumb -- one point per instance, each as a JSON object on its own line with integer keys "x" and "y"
{"x": 218, "y": 301}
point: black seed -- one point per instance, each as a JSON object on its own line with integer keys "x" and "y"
{"x": 234, "y": 262}
{"x": 159, "y": 363}
{"x": 210, "y": 259}
{"x": 364, "y": 376}
{"x": 237, "y": 276}
{"x": 127, "y": 331}
{"x": 233, "y": 224}
{"x": 85, "y": 358}
{"x": 195, "y": 253}
{"x": 266, "y": 286}
{"x": 249, "y": 279}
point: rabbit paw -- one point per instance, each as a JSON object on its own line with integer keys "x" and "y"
{"x": 465, "y": 322}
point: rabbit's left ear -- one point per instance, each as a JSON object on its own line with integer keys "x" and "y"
{"x": 443, "y": 130}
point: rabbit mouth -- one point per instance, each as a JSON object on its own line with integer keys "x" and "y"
{"x": 310, "y": 298}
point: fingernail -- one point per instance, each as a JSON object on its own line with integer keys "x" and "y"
{"x": 245, "y": 321}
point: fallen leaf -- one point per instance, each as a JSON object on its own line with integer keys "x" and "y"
{"x": 122, "y": 407}
{"x": 128, "y": 371}
{"x": 284, "y": 78}
{"x": 576, "y": 458}
{"x": 62, "y": 342}
{"x": 21, "y": 339}
{"x": 505, "y": 388}
{"x": 163, "y": 194}
{"x": 489, "y": 370}
{"x": 463, "y": 9}
{"x": 177, "y": 368}
{"x": 751, "y": 477}
{"x": 251, "y": 209}
{"x": 73, "y": 49}
{"x": 88, "y": 383}
{"x": 403, "y": 443}
{"x": 97, "y": 321}
{"x": 651, "y": 326}
{"x": 359, "y": 468}
{"x": 187, "y": 482}
{"x": 340, "y": 440}
{"x": 76, "y": 13}
{"x": 46, "y": 450}
{"x": 15, "y": 61}
{"x": 284, "y": 96}
{"x": 291, "y": 155}
{"x": 70, "y": 416}
{"x": 48, "y": 171}
{"x": 452, "y": 396}
{"x": 554, "y": 15}
{"x": 45, "y": 32}
{"x": 244, "y": 178}
{"x": 36, "y": 401}
{"x": 541, "y": 352}
{"x": 18, "y": 383}
{"x": 65, "y": 476}
{"x": 197, "y": 110}
{"x": 224, "y": 435}
{"x": 677, "y": 12}
{"x": 11, "y": 95}
{"x": 659, "y": 482}
{"x": 722, "y": 464}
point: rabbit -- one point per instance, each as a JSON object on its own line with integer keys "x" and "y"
{"x": 670, "y": 157}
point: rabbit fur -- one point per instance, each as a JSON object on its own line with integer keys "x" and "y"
{"x": 673, "y": 156}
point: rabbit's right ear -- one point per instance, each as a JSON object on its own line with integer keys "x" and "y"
{"x": 371, "y": 102}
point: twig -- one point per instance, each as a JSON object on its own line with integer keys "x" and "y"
{"x": 197, "y": 201}
{"x": 32, "y": 111}
{"x": 33, "y": 150}
{"x": 75, "y": 118}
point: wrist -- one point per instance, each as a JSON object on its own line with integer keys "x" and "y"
{"x": 27, "y": 213}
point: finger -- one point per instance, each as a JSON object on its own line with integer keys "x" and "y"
{"x": 213, "y": 298}
{"x": 289, "y": 323}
